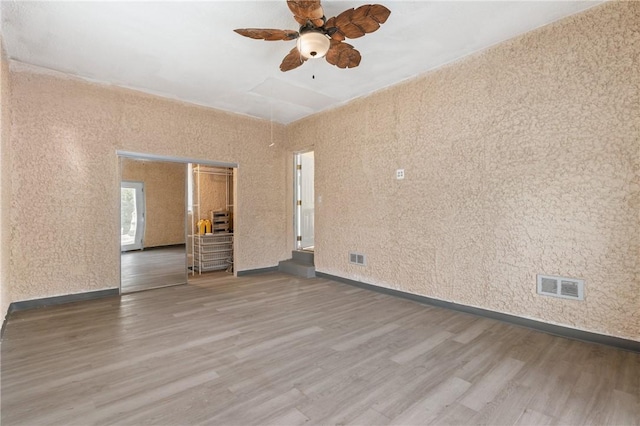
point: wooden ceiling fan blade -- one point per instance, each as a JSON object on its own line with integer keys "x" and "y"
{"x": 332, "y": 30}
{"x": 369, "y": 17}
{"x": 293, "y": 60}
{"x": 268, "y": 34}
{"x": 307, "y": 10}
{"x": 343, "y": 55}
{"x": 354, "y": 23}
{"x": 377, "y": 12}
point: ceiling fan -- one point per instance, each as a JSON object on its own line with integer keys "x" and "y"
{"x": 321, "y": 37}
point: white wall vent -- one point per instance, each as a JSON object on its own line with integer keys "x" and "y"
{"x": 567, "y": 288}
{"x": 357, "y": 258}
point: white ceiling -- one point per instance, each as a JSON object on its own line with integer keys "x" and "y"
{"x": 187, "y": 50}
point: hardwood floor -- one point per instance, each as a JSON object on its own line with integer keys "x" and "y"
{"x": 275, "y": 349}
{"x": 153, "y": 268}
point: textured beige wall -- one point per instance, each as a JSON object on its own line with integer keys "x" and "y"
{"x": 5, "y": 178}
{"x": 64, "y": 139}
{"x": 523, "y": 159}
{"x": 165, "y": 199}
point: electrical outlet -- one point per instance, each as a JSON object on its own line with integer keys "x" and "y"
{"x": 400, "y": 174}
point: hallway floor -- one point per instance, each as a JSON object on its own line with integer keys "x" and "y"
{"x": 153, "y": 268}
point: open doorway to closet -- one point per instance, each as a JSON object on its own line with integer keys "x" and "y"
{"x": 304, "y": 200}
{"x": 210, "y": 214}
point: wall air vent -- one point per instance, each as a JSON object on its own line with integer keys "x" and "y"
{"x": 566, "y": 288}
{"x": 357, "y": 258}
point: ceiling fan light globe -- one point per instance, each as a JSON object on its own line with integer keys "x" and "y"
{"x": 313, "y": 44}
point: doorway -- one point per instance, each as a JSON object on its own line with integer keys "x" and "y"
{"x": 152, "y": 214}
{"x": 166, "y": 229}
{"x": 211, "y": 218}
{"x": 131, "y": 215}
{"x": 304, "y": 200}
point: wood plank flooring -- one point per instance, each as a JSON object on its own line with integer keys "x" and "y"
{"x": 276, "y": 349}
{"x": 153, "y": 268}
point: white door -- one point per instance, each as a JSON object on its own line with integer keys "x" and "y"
{"x": 131, "y": 215}
{"x": 305, "y": 210}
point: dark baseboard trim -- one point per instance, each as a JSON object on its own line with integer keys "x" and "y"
{"x": 56, "y": 300}
{"x": 571, "y": 333}
{"x": 4, "y": 325}
{"x": 59, "y": 300}
{"x": 257, "y": 271}
{"x": 156, "y": 248}
{"x": 183, "y": 245}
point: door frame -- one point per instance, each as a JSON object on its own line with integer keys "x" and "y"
{"x": 297, "y": 213}
{"x": 138, "y": 240}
